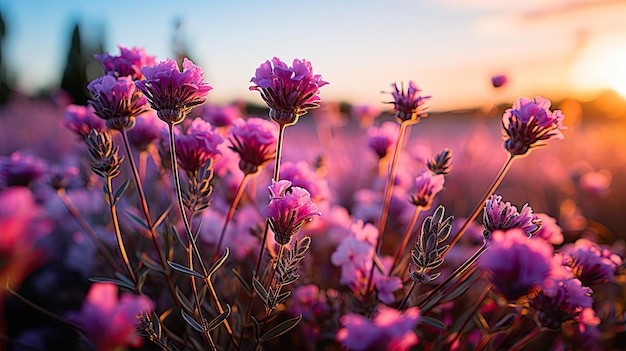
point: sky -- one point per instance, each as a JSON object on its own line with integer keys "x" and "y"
{"x": 449, "y": 48}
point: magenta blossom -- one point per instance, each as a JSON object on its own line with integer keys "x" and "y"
{"x": 255, "y": 141}
{"x": 128, "y": 63}
{"x": 110, "y": 323}
{"x": 81, "y": 119}
{"x": 427, "y": 186}
{"x": 381, "y": 139}
{"x": 590, "y": 262}
{"x": 390, "y": 330}
{"x": 529, "y": 122}
{"x": 549, "y": 231}
{"x": 21, "y": 169}
{"x": 407, "y": 104}
{"x": 289, "y": 208}
{"x": 288, "y": 91}
{"x": 500, "y": 215}
{"x": 302, "y": 174}
{"x": 197, "y": 146}
{"x": 173, "y": 93}
{"x": 561, "y": 300}
{"x": 116, "y": 101}
{"x": 515, "y": 263}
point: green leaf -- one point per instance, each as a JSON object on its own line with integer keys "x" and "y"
{"x": 120, "y": 283}
{"x": 243, "y": 283}
{"x": 258, "y": 287}
{"x": 177, "y": 267}
{"x": 183, "y": 300}
{"x": 150, "y": 263}
{"x": 433, "y": 322}
{"x": 192, "y": 322}
{"x": 161, "y": 217}
{"x": 219, "y": 262}
{"x": 219, "y": 319}
{"x": 120, "y": 191}
{"x": 138, "y": 220}
{"x": 281, "y": 329}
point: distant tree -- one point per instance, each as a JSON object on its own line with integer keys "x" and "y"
{"x": 74, "y": 80}
{"x": 5, "y": 88}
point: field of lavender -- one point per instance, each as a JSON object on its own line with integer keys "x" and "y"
{"x": 151, "y": 218}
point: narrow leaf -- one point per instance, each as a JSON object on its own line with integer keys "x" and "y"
{"x": 281, "y": 329}
{"x": 433, "y": 322}
{"x": 150, "y": 263}
{"x": 219, "y": 319}
{"x": 192, "y": 322}
{"x": 120, "y": 283}
{"x": 183, "y": 300}
{"x": 121, "y": 190}
{"x": 161, "y": 217}
{"x": 184, "y": 269}
{"x": 138, "y": 220}
{"x": 258, "y": 287}
{"x": 219, "y": 262}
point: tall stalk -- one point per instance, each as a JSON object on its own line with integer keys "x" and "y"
{"x": 118, "y": 234}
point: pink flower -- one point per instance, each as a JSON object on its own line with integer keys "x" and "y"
{"x": 302, "y": 174}
{"x": 173, "y": 93}
{"x": 528, "y": 123}
{"x": 549, "y": 231}
{"x": 500, "y": 215}
{"x": 590, "y": 262}
{"x": 82, "y": 119}
{"x": 108, "y": 322}
{"x": 515, "y": 263}
{"x": 427, "y": 186}
{"x": 255, "y": 141}
{"x": 116, "y": 101}
{"x": 288, "y": 91}
{"x": 128, "y": 63}
{"x": 561, "y": 300}
{"x": 381, "y": 139}
{"x": 289, "y": 208}
{"x": 499, "y": 80}
{"x": 197, "y": 146}
{"x": 21, "y": 169}
{"x": 408, "y": 106}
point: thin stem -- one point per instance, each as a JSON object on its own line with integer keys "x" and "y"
{"x": 231, "y": 212}
{"x": 406, "y": 296}
{"x": 405, "y": 239}
{"x": 481, "y": 204}
{"x": 475, "y": 307}
{"x": 118, "y": 233}
{"x": 69, "y": 205}
{"x": 522, "y": 342}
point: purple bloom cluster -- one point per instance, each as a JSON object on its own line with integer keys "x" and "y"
{"x": 500, "y": 215}
{"x": 196, "y": 146}
{"x": 128, "y": 63}
{"x": 116, "y": 101}
{"x": 81, "y": 120}
{"x": 255, "y": 141}
{"x": 407, "y": 104}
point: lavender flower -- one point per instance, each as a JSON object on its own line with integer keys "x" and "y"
{"x": 528, "y": 123}
{"x": 255, "y": 141}
{"x": 441, "y": 163}
{"x": 590, "y": 262}
{"x": 128, "y": 63}
{"x": 173, "y": 93}
{"x": 197, "y": 146}
{"x": 116, "y": 101}
{"x": 81, "y": 120}
{"x": 504, "y": 216}
{"x": 408, "y": 106}
{"x": 381, "y": 139}
{"x": 288, "y": 91}
{"x": 427, "y": 186}
{"x": 289, "y": 208}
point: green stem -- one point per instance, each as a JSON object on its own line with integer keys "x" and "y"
{"x": 231, "y": 212}
{"x": 405, "y": 239}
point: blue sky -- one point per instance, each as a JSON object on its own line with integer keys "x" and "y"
{"x": 450, "y": 48}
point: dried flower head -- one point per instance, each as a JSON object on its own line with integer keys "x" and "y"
{"x": 81, "y": 120}
{"x": 128, "y": 63}
{"x": 173, "y": 93}
{"x": 289, "y": 208}
{"x": 116, "y": 101}
{"x": 407, "y": 104}
{"x": 104, "y": 159}
{"x": 529, "y": 122}
{"x": 503, "y": 216}
{"x": 255, "y": 141}
{"x": 427, "y": 254}
{"x": 441, "y": 163}
{"x": 427, "y": 186}
{"x": 289, "y": 92}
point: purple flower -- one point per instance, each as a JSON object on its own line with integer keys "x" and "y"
{"x": 110, "y": 323}
{"x": 549, "y": 231}
{"x": 21, "y": 169}
{"x": 289, "y": 208}
{"x": 407, "y": 104}
{"x": 441, "y": 163}
{"x": 81, "y": 120}
{"x": 255, "y": 141}
{"x": 381, "y": 139}
{"x": 561, "y": 300}
{"x": 128, "y": 63}
{"x": 499, "y": 80}
{"x": 390, "y": 330}
{"x": 500, "y": 215}
{"x": 427, "y": 185}
{"x": 515, "y": 263}
{"x": 116, "y": 101}
{"x": 197, "y": 146}
{"x": 173, "y": 93}
{"x": 590, "y": 262}
{"x": 529, "y": 122}
{"x": 288, "y": 91}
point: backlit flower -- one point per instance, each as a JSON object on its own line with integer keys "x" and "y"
{"x": 381, "y": 139}
{"x": 21, "y": 169}
{"x": 427, "y": 186}
{"x": 590, "y": 262}
{"x": 197, "y": 146}
{"x": 128, "y": 63}
{"x": 289, "y": 208}
{"x": 255, "y": 141}
{"x": 173, "y": 93}
{"x": 82, "y": 119}
{"x": 289, "y": 92}
{"x": 500, "y": 215}
{"x": 407, "y": 104}
{"x": 116, "y": 101}
{"x": 528, "y": 123}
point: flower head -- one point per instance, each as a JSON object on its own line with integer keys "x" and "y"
{"x": 103, "y": 154}
{"x": 255, "y": 141}
{"x": 21, "y": 169}
{"x": 289, "y": 208}
{"x": 116, "y": 101}
{"x": 381, "y": 139}
{"x": 561, "y": 300}
{"x": 173, "y": 93}
{"x": 288, "y": 91}
{"x": 197, "y": 146}
{"x": 529, "y": 122}
{"x": 427, "y": 186}
{"x": 407, "y": 104}
{"x": 590, "y": 262}
{"x": 81, "y": 120}
{"x": 441, "y": 163}
{"x": 500, "y": 215}
{"x": 128, "y": 63}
